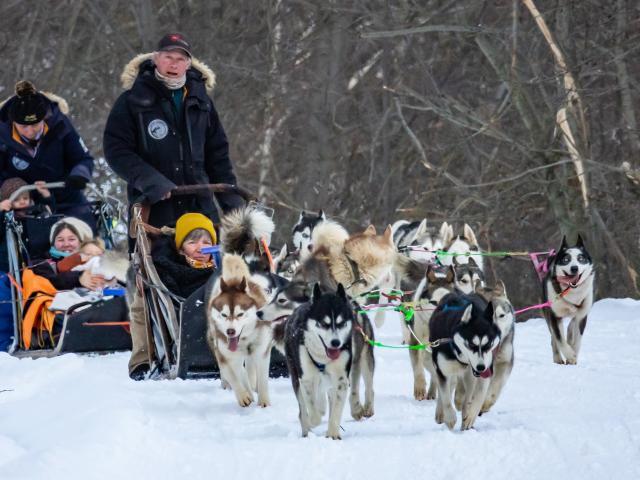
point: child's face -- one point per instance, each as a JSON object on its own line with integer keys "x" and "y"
{"x": 23, "y": 201}
{"x": 90, "y": 250}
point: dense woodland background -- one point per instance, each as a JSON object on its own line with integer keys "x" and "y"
{"x": 454, "y": 110}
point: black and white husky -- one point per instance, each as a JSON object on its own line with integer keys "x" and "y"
{"x": 464, "y": 338}
{"x": 303, "y": 229}
{"x": 320, "y": 345}
{"x": 418, "y": 234}
{"x": 569, "y": 288}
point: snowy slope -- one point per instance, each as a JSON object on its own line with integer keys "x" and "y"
{"x": 81, "y": 417}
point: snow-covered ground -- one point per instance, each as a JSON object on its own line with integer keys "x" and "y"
{"x": 81, "y": 417}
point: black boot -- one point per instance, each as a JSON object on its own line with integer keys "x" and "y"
{"x": 139, "y": 372}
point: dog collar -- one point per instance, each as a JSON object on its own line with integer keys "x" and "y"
{"x": 319, "y": 366}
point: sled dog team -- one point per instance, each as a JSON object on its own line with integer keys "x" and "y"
{"x": 312, "y": 311}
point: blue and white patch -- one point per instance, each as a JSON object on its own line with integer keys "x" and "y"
{"x": 158, "y": 129}
{"x": 20, "y": 163}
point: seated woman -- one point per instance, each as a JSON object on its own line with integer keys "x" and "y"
{"x": 179, "y": 263}
{"x": 66, "y": 237}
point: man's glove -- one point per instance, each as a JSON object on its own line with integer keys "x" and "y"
{"x": 76, "y": 182}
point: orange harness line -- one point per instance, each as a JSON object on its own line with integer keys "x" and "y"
{"x": 263, "y": 241}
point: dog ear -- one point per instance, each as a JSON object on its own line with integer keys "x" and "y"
{"x": 564, "y": 245}
{"x": 488, "y": 312}
{"x": 388, "y": 235}
{"x": 281, "y": 256}
{"x": 243, "y": 284}
{"x": 472, "y": 262}
{"x": 451, "y": 275}
{"x": 341, "y": 292}
{"x": 477, "y": 287}
{"x": 500, "y": 290}
{"x": 223, "y": 285}
{"x": 455, "y": 261}
{"x": 466, "y": 315}
{"x": 470, "y": 235}
{"x": 431, "y": 274}
{"x": 446, "y": 233}
{"x": 301, "y": 217}
{"x": 579, "y": 242}
{"x": 422, "y": 229}
{"x": 370, "y": 230}
{"x": 316, "y": 292}
{"x": 321, "y": 215}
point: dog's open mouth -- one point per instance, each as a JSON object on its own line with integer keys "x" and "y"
{"x": 232, "y": 342}
{"x": 484, "y": 374}
{"x": 571, "y": 280}
{"x": 333, "y": 353}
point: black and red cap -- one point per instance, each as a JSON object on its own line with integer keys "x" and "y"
{"x": 172, "y": 41}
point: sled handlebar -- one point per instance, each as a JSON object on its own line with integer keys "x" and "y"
{"x": 210, "y": 187}
{"x": 29, "y": 188}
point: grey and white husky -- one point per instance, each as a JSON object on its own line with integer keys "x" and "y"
{"x": 321, "y": 346}
{"x": 418, "y": 234}
{"x": 303, "y": 230}
{"x": 464, "y": 338}
{"x": 569, "y": 287}
{"x": 463, "y": 248}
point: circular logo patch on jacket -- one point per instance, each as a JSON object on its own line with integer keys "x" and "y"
{"x": 158, "y": 129}
{"x": 19, "y": 163}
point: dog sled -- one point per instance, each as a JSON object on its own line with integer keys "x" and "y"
{"x": 176, "y": 327}
{"x": 98, "y": 323}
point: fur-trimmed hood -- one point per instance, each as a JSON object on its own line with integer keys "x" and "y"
{"x": 131, "y": 70}
{"x": 63, "y": 106}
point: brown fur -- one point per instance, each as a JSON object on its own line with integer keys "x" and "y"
{"x": 130, "y": 71}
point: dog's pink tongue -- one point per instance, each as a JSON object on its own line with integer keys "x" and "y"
{"x": 233, "y": 343}
{"x": 569, "y": 280}
{"x": 333, "y": 353}
{"x": 487, "y": 373}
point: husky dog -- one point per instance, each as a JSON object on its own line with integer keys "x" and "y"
{"x": 303, "y": 229}
{"x": 503, "y": 356}
{"x": 569, "y": 287}
{"x": 465, "y": 337}
{"x": 111, "y": 265}
{"x": 463, "y": 248}
{"x": 435, "y": 285}
{"x": 360, "y": 262}
{"x": 321, "y": 350}
{"x": 242, "y": 232}
{"x": 417, "y": 234}
{"x": 286, "y": 262}
{"x": 467, "y": 275}
{"x": 235, "y": 335}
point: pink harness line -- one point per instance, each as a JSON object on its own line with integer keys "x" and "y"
{"x": 542, "y": 268}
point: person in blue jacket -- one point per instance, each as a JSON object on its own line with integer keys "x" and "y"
{"x": 39, "y": 143}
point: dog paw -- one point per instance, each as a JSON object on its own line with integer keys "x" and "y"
{"x": 420, "y": 392}
{"x": 559, "y": 361}
{"x": 333, "y": 435}
{"x": 245, "y": 398}
{"x": 357, "y": 411}
{"x": 432, "y": 392}
{"x": 264, "y": 403}
{"x": 225, "y": 384}
{"x": 468, "y": 421}
{"x": 367, "y": 411}
{"x": 572, "y": 360}
{"x": 450, "y": 420}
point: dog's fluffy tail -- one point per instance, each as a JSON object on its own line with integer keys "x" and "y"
{"x": 329, "y": 235}
{"x": 240, "y": 227}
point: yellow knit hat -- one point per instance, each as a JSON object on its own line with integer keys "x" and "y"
{"x": 189, "y": 222}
